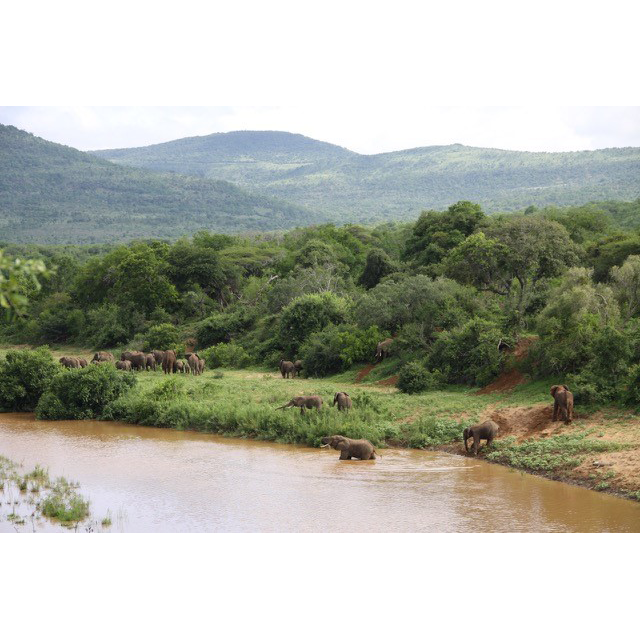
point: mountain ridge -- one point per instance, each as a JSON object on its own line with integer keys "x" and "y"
{"x": 370, "y": 187}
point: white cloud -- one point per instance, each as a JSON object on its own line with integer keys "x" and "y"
{"x": 363, "y": 129}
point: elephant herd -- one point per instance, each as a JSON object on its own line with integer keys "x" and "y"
{"x": 140, "y": 361}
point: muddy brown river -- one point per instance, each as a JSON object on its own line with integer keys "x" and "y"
{"x": 149, "y": 479}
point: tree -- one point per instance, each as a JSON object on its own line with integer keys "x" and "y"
{"x": 16, "y": 275}
{"x": 625, "y": 281}
{"x": 378, "y": 266}
{"x": 436, "y": 233}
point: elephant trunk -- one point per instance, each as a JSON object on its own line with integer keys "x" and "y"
{"x": 465, "y": 437}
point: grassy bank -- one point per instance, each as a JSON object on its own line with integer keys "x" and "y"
{"x": 244, "y": 404}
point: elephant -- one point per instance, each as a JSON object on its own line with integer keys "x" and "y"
{"x": 102, "y": 356}
{"x": 83, "y": 363}
{"x": 382, "y": 350}
{"x": 157, "y": 356}
{"x": 137, "y": 359}
{"x": 298, "y": 367}
{"x": 123, "y": 365}
{"x": 150, "y": 362}
{"x": 304, "y": 402}
{"x": 343, "y": 401}
{"x": 562, "y": 403}
{"x": 179, "y": 366}
{"x": 487, "y": 430}
{"x": 194, "y": 363}
{"x": 70, "y": 362}
{"x": 169, "y": 361}
{"x": 200, "y": 366}
{"x": 348, "y": 448}
{"x": 287, "y": 367}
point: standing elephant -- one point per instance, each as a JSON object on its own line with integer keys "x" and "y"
{"x": 137, "y": 359}
{"x": 200, "y": 366}
{"x": 304, "y": 402}
{"x": 102, "y": 356}
{"x": 298, "y": 367}
{"x": 287, "y": 368}
{"x": 194, "y": 363}
{"x": 83, "y": 363}
{"x": 150, "y": 362}
{"x": 562, "y": 403}
{"x": 179, "y": 366}
{"x": 123, "y": 365}
{"x": 70, "y": 362}
{"x": 485, "y": 431}
{"x": 382, "y": 350}
{"x": 343, "y": 401}
{"x": 169, "y": 361}
{"x": 157, "y": 356}
{"x": 348, "y": 448}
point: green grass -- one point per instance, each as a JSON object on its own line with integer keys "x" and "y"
{"x": 549, "y": 455}
{"x": 243, "y": 404}
{"x": 64, "y": 503}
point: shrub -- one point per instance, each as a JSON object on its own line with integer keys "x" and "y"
{"x": 105, "y": 327}
{"x": 64, "y": 503}
{"x": 162, "y": 337}
{"x": 229, "y": 355}
{"x": 309, "y": 314}
{"x": 414, "y": 377}
{"x": 24, "y": 376}
{"x": 468, "y": 354}
{"x": 79, "y": 394}
{"x": 335, "y": 349}
{"x": 221, "y": 327}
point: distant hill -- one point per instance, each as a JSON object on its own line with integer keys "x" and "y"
{"x": 395, "y": 185}
{"x": 50, "y": 193}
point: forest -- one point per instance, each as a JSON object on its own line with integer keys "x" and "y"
{"x": 452, "y": 289}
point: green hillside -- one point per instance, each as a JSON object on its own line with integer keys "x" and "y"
{"x": 400, "y": 184}
{"x": 50, "y": 193}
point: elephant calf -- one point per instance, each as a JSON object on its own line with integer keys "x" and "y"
{"x": 348, "y": 448}
{"x": 485, "y": 431}
{"x": 102, "y": 356}
{"x": 123, "y": 365}
{"x": 70, "y": 362}
{"x": 304, "y": 402}
{"x": 297, "y": 365}
{"x": 562, "y": 403}
{"x": 343, "y": 401}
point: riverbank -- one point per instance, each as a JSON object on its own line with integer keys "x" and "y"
{"x": 598, "y": 450}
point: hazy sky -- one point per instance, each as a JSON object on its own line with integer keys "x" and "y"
{"x": 359, "y": 128}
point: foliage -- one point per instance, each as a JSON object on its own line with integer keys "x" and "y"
{"x": 414, "y": 377}
{"x": 221, "y": 327}
{"x": 15, "y": 275}
{"x": 230, "y": 355}
{"x": 468, "y": 354}
{"x": 378, "y": 266}
{"x": 24, "y": 377}
{"x": 337, "y": 348}
{"x": 309, "y": 314}
{"x": 64, "y": 503}
{"x": 80, "y": 394}
{"x": 162, "y": 337}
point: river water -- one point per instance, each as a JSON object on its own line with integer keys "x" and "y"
{"x": 149, "y": 479}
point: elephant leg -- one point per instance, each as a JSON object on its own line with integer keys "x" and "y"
{"x": 345, "y": 455}
{"x": 555, "y": 411}
{"x": 476, "y": 444}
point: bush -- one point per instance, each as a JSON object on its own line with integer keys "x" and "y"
{"x": 162, "y": 337}
{"x": 229, "y": 355}
{"x": 24, "y": 376}
{"x": 415, "y": 377}
{"x": 335, "y": 349}
{"x": 105, "y": 327}
{"x": 468, "y": 354}
{"x": 80, "y": 394}
{"x": 221, "y": 327}
{"x": 309, "y": 314}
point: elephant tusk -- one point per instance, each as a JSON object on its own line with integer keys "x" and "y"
{"x": 322, "y": 446}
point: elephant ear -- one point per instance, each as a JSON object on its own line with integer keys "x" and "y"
{"x": 553, "y": 390}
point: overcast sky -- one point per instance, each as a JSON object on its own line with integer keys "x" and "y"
{"x": 361, "y": 129}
